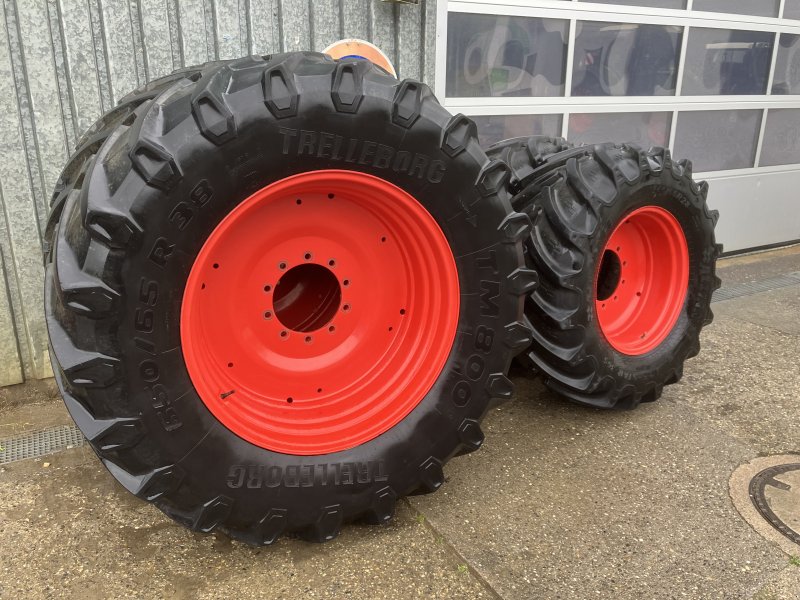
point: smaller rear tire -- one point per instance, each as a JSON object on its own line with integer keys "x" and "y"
{"x": 578, "y": 207}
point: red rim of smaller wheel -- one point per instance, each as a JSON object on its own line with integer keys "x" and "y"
{"x": 320, "y": 312}
{"x": 642, "y": 280}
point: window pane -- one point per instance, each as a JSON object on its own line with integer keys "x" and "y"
{"x": 781, "y": 138}
{"x": 792, "y": 9}
{"x": 652, "y": 3}
{"x": 495, "y": 128}
{"x": 490, "y": 55}
{"x": 787, "y": 65}
{"x": 621, "y": 59}
{"x": 716, "y": 140}
{"x": 759, "y": 8}
{"x": 643, "y": 129}
{"x": 722, "y": 61}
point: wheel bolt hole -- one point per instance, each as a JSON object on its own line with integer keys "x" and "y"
{"x": 215, "y": 265}
{"x": 402, "y": 311}
{"x": 282, "y": 266}
{"x": 331, "y": 263}
{"x": 331, "y": 196}
{"x": 268, "y": 314}
{"x": 390, "y": 328}
{"x": 307, "y": 256}
{"x": 230, "y": 365}
{"x": 346, "y": 307}
{"x": 308, "y": 339}
{"x": 638, "y": 293}
{"x": 284, "y": 333}
{"x": 346, "y": 282}
{"x": 290, "y": 400}
{"x": 383, "y": 239}
{"x": 331, "y": 328}
{"x": 267, "y": 288}
{"x": 203, "y": 286}
{"x": 319, "y": 390}
{"x": 299, "y": 201}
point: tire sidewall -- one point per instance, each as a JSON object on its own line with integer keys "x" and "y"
{"x": 180, "y": 429}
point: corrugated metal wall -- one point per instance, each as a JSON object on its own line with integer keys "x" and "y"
{"x": 64, "y": 62}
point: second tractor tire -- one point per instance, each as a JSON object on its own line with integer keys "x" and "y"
{"x": 624, "y": 245}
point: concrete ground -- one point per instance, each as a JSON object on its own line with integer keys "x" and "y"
{"x": 561, "y": 502}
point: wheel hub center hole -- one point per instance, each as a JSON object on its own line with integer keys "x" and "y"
{"x": 307, "y": 297}
{"x": 609, "y": 275}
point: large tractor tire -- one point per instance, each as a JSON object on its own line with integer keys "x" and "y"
{"x": 624, "y": 245}
{"x": 282, "y": 292}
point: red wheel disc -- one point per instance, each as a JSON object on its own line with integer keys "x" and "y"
{"x": 320, "y": 312}
{"x": 642, "y": 280}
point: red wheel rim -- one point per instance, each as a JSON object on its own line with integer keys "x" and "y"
{"x": 642, "y": 280}
{"x": 320, "y": 312}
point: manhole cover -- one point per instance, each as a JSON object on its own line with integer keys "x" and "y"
{"x": 766, "y": 492}
{"x": 776, "y": 494}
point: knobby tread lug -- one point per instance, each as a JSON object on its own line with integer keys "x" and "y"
{"x": 518, "y": 336}
{"x": 516, "y": 227}
{"x": 212, "y": 514}
{"x": 280, "y": 92}
{"x": 82, "y": 368}
{"x": 523, "y": 281}
{"x": 457, "y": 135}
{"x": 471, "y": 435}
{"x": 431, "y": 475}
{"x": 328, "y": 524}
{"x": 347, "y": 87}
{"x": 271, "y": 526}
{"x": 82, "y": 293}
{"x": 407, "y": 104}
{"x": 382, "y": 507}
{"x": 155, "y": 164}
{"x": 493, "y": 178}
{"x": 499, "y": 387}
{"x": 210, "y": 110}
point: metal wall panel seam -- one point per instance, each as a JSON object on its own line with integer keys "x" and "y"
{"x": 191, "y": 15}
{"x": 42, "y": 92}
{"x": 83, "y": 78}
{"x": 101, "y": 57}
{"x": 158, "y": 50}
{"x": 175, "y": 35}
{"x": 26, "y": 120}
{"x": 355, "y": 19}
{"x": 62, "y": 81}
{"x": 20, "y": 242}
{"x": 10, "y": 363}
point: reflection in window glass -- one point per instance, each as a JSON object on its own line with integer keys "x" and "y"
{"x": 787, "y": 65}
{"x": 643, "y": 129}
{"x": 781, "y": 138}
{"x": 759, "y": 8}
{"x": 651, "y": 3}
{"x": 625, "y": 59}
{"x": 723, "y": 61}
{"x": 717, "y": 140}
{"x": 495, "y": 128}
{"x": 792, "y": 9}
{"x": 490, "y": 55}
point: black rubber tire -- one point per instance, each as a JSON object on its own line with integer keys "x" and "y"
{"x": 117, "y": 262}
{"x": 575, "y": 199}
{"x": 525, "y": 156}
